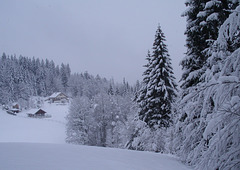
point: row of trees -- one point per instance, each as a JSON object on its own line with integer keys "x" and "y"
{"x": 23, "y": 77}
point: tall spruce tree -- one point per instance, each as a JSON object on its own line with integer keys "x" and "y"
{"x": 158, "y": 93}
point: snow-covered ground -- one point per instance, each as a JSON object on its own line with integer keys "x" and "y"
{"x": 28, "y": 156}
{"x": 32, "y": 144}
{"x": 21, "y": 128}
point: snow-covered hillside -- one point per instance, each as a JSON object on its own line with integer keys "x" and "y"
{"x": 31, "y": 143}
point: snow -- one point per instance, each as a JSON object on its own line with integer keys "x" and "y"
{"x": 65, "y": 156}
{"x": 211, "y": 127}
{"x": 210, "y": 4}
{"x": 203, "y": 23}
{"x": 229, "y": 29}
{"x": 212, "y": 17}
{"x": 201, "y": 14}
{"x": 228, "y": 79}
{"x": 33, "y": 143}
{"x": 55, "y": 94}
{"x": 235, "y": 100}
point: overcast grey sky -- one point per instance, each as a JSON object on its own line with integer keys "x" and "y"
{"x": 105, "y": 37}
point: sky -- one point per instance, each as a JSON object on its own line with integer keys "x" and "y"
{"x": 106, "y": 37}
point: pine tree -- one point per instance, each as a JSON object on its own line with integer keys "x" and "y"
{"x": 65, "y": 74}
{"x": 110, "y": 90}
{"x": 158, "y": 94}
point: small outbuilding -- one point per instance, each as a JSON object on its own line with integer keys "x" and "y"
{"x": 38, "y": 114}
{"x": 15, "y": 108}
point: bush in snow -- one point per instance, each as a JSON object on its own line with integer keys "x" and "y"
{"x": 147, "y": 139}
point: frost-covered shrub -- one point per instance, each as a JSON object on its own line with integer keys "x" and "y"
{"x": 147, "y": 139}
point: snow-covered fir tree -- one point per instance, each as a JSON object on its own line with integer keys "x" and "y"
{"x": 159, "y": 89}
{"x": 208, "y": 120}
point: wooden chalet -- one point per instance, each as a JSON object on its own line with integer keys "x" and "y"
{"x": 58, "y": 97}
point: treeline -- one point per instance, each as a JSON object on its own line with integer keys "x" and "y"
{"x": 23, "y": 77}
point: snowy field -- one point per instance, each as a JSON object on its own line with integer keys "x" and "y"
{"x": 28, "y": 156}
{"x": 21, "y": 128}
{"x": 37, "y": 144}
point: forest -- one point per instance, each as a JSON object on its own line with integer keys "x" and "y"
{"x": 196, "y": 119}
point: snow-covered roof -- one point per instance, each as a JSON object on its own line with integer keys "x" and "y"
{"x": 13, "y": 109}
{"x": 33, "y": 111}
{"x": 55, "y": 94}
